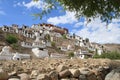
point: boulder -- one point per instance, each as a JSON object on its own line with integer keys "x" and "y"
{"x": 12, "y": 73}
{"x": 3, "y": 75}
{"x": 53, "y": 75}
{"x": 24, "y": 76}
{"x": 113, "y": 75}
{"x": 61, "y": 68}
{"x": 34, "y": 74}
{"x": 64, "y": 74}
{"x": 84, "y": 71}
{"x": 14, "y": 78}
{"x": 75, "y": 72}
{"x": 82, "y": 77}
{"x": 42, "y": 77}
{"x": 92, "y": 77}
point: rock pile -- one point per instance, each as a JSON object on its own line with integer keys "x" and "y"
{"x": 55, "y": 69}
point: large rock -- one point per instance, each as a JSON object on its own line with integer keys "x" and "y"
{"x": 92, "y": 77}
{"x": 34, "y": 74}
{"x": 14, "y": 73}
{"x": 42, "y": 77}
{"x": 3, "y": 75}
{"x": 84, "y": 71}
{"x": 24, "y": 76}
{"x": 53, "y": 75}
{"x": 75, "y": 72}
{"x": 64, "y": 74}
{"x": 61, "y": 68}
{"x": 113, "y": 75}
{"x": 14, "y": 78}
{"x": 82, "y": 77}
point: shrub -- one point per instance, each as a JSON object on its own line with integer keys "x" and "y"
{"x": 109, "y": 55}
{"x": 71, "y": 54}
{"x": 15, "y": 46}
{"x": 64, "y": 36}
{"x": 53, "y": 44}
{"x": 11, "y": 39}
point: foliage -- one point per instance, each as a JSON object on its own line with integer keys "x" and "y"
{"x": 15, "y": 46}
{"x": 110, "y": 55}
{"x": 53, "y": 44}
{"x": 71, "y": 54}
{"x": 106, "y": 10}
{"x": 64, "y": 36}
{"x": 11, "y": 39}
{"x": 87, "y": 40}
{"x": 90, "y": 51}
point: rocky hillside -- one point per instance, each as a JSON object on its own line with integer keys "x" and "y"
{"x": 112, "y": 47}
{"x": 15, "y": 47}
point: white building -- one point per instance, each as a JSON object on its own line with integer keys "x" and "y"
{"x": 38, "y": 46}
{"x": 99, "y": 51}
{"x": 40, "y": 53}
{"x": 6, "y": 54}
{"x": 82, "y": 54}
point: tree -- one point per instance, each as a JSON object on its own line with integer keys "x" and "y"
{"x": 87, "y": 40}
{"x": 106, "y": 10}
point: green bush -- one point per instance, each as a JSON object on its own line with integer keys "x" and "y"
{"x": 109, "y": 55}
{"x": 15, "y": 46}
{"x": 64, "y": 36}
{"x": 11, "y": 39}
{"x": 53, "y": 44}
{"x": 70, "y": 54}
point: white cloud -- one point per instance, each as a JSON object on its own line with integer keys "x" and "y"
{"x": 39, "y": 4}
{"x": 68, "y": 18}
{"x": 98, "y": 32}
{"x": 17, "y": 4}
{"x": 77, "y": 25}
{"x": 2, "y": 12}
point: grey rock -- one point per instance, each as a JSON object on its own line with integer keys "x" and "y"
{"x": 24, "y": 76}
{"x": 84, "y": 71}
{"x": 113, "y": 75}
{"x": 82, "y": 77}
{"x": 53, "y": 75}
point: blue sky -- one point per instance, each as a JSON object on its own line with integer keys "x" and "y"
{"x": 20, "y": 12}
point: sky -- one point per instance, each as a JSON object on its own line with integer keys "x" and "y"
{"x": 20, "y": 12}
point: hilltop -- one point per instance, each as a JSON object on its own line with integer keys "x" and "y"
{"x": 112, "y": 47}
